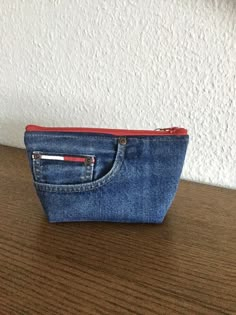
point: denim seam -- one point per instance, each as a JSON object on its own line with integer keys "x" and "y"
{"x": 118, "y": 220}
{"x": 110, "y": 138}
{"x": 37, "y": 170}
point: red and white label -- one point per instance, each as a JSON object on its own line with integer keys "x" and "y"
{"x": 64, "y": 158}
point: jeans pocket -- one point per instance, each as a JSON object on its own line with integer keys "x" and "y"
{"x": 53, "y": 173}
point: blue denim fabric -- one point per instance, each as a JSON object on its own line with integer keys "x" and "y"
{"x": 131, "y": 181}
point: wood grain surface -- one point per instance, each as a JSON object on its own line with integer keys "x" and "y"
{"x": 187, "y": 265}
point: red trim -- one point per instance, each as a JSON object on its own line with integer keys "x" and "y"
{"x": 74, "y": 159}
{"x": 173, "y": 131}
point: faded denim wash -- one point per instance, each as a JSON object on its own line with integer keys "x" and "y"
{"x": 134, "y": 178}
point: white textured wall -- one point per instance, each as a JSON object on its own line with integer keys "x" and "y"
{"x": 124, "y": 64}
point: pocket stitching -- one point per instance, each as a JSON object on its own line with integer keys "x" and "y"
{"x": 37, "y": 170}
{"x": 68, "y": 188}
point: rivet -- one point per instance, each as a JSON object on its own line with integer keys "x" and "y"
{"x": 36, "y": 156}
{"x": 89, "y": 160}
{"x": 122, "y": 140}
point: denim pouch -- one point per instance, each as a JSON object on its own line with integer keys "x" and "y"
{"x": 99, "y": 174}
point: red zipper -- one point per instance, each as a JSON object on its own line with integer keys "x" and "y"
{"x": 173, "y": 131}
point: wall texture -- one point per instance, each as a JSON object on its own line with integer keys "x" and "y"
{"x": 124, "y": 64}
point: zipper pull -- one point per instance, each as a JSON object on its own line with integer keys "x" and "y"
{"x": 172, "y": 130}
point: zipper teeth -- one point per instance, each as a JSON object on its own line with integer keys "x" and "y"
{"x": 118, "y": 132}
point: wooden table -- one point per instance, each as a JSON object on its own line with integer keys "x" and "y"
{"x": 187, "y": 265}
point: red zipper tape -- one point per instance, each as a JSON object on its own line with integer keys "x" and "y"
{"x": 173, "y": 131}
